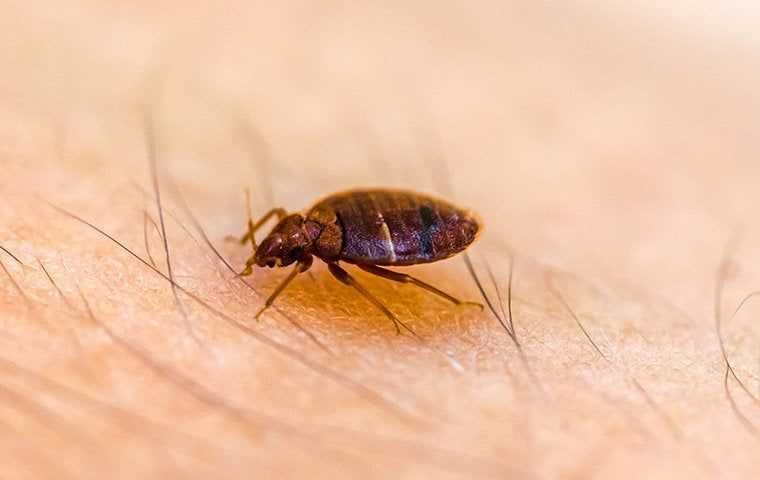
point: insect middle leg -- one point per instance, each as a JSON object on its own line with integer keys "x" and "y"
{"x": 344, "y": 277}
{"x": 404, "y": 278}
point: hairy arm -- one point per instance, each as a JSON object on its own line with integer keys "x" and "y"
{"x": 613, "y": 169}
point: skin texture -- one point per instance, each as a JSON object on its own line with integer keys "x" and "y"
{"x": 611, "y": 152}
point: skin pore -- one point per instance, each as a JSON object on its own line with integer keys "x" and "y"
{"x": 610, "y": 154}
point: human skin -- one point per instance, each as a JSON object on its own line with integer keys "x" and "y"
{"x": 610, "y": 153}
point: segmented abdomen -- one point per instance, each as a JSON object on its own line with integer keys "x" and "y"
{"x": 396, "y": 227}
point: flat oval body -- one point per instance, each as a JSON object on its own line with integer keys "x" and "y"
{"x": 398, "y": 227}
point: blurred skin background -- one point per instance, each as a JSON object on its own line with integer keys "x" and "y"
{"x": 610, "y": 149}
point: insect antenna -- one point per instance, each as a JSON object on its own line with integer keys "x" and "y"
{"x": 249, "y": 212}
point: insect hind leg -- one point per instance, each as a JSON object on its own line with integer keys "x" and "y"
{"x": 344, "y": 277}
{"x": 404, "y": 278}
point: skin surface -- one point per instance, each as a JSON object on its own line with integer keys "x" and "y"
{"x": 610, "y": 150}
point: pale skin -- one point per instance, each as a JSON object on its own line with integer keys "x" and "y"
{"x": 625, "y": 195}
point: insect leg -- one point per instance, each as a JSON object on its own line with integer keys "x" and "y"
{"x": 300, "y": 267}
{"x": 404, "y": 278}
{"x": 252, "y": 228}
{"x": 344, "y": 277}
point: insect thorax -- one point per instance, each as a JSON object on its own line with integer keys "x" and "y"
{"x": 322, "y": 226}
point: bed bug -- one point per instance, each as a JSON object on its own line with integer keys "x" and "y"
{"x": 372, "y": 229}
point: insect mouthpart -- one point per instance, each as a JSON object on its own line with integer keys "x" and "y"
{"x": 270, "y": 262}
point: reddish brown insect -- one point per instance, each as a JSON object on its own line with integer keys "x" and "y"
{"x": 368, "y": 228}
